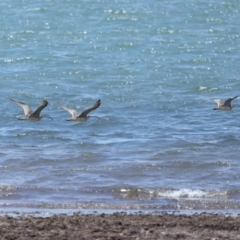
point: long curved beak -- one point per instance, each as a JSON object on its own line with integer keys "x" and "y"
{"x": 48, "y": 117}
{"x": 95, "y": 117}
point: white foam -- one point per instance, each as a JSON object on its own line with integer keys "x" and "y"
{"x": 202, "y": 88}
{"x": 189, "y": 193}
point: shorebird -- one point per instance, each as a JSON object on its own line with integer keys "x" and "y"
{"x": 81, "y": 117}
{"x": 29, "y": 115}
{"x": 226, "y": 106}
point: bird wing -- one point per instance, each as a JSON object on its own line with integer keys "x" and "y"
{"x": 228, "y": 101}
{"x": 70, "y": 110}
{"x": 37, "y": 112}
{"x": 219, "y": 102}
{"x": 27, "y": 110}
{"x": 88, "y": 110}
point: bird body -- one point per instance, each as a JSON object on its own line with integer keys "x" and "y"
{"x": 81, "y": 117}
{"x": 225, "y": 106}
{"x": 29, "y": 114}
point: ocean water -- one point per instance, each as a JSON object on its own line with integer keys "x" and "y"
{"x": 156, "y": 66}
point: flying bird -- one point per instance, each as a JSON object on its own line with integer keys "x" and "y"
{"x": 81, "y": 117}
{"x": 226, "y": 106}
{"x": 29, "y": 114}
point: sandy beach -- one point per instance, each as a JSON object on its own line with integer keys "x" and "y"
{"x": 120, "y": 226}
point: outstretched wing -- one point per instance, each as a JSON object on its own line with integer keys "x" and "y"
{"x": 37, "y": 112}
{"x": 27, "y": 110}
{"x": 93, "y": 107}
{"x": 228, "y": 101}
{"x": 219, "y": 102}
{"x": 73, "y": 112}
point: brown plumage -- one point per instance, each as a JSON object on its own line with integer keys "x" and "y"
{"x": 226, "y": 106}
{"x": 82, "y": 116}
{"x": 29, "y": 114}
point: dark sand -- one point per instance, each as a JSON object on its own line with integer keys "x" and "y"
{"x": 121, "y": 226}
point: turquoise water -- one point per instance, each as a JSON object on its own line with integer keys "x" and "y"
{"x": 156, "y": 66}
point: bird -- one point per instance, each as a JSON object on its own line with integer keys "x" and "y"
{"x": 226, "y": 106}
{"x": 29, "y": 115}
{"x": 81, "y": 117}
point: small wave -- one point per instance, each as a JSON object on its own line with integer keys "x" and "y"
{"x": 140, "y": 194}
{"x": 7, "y": 188}
{"x": 37, "y": 9}
{"x": 188, "y": 193}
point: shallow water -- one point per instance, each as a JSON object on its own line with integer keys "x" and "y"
{"x": 155, "y": 66}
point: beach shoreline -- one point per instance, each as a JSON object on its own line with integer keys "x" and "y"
{"x": 120, "y": 226}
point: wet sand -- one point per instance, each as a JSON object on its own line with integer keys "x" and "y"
{"x": 120, "y": 226}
